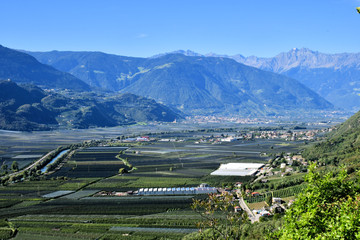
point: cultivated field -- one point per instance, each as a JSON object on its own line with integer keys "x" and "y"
{"x": 40, "y": 210}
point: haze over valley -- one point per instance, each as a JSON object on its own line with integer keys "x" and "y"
{"x": 179, "y": 120}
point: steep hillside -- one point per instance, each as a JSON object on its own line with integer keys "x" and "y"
{"x": 20, "y": 108}
{"x": 97, "y": 69}
{"x": 23, "y": 68}
{"x": 193, "y": 84}
{"x": 30, "y": 108}
{"x": 341, "y": 147}
{"x": 336, "y": 77}
{"x": 220, "y": 83}
{"x": 270, "y": 89}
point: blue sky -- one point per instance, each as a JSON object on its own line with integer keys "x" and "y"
{"x": 144, "y": 28}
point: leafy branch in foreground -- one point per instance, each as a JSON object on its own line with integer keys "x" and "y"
{"x": 328, "y": 209}
{"x": 219, "y": 218}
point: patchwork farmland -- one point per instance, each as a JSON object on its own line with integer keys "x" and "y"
{"x": 78, "y": 201}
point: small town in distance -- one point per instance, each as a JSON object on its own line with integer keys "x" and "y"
{"x": 150, "y": 120}
{"x": 260, "y": 167}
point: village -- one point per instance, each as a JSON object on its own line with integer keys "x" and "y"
{"x": 287, "y": 135}
{"x": 267, "y": 205}
{"x": 261, "y": 170}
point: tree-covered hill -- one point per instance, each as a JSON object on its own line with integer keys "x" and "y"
{"x": 23, "y": 68}
{"x": 30, "y": 108}
{"x": 341, "y": 147}
{"x": 99, "y": 70}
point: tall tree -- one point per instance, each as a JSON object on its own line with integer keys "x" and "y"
{"x": 329, "y": 208}
{"x": 4, "y": 167}
{"x": 15, "y": 166}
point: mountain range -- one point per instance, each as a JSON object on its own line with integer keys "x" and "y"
{"x": 336, "y": 77}
{"x": 193, "y": 84}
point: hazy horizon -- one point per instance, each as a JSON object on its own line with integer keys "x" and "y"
{"x": 143, "y": 29}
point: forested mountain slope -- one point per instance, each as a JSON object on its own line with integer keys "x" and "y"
{"x": 192, "y": 84}
{"x": 30, "y": 108}
{"x": 341, "y": 147}
{"x": 336, "y": 77}
{"x": 23, "y": 68}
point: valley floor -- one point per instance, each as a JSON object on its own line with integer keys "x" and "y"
{"x": 87, "y": 198}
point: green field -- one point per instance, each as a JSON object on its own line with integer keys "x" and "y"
{"x": 80, "y": 215}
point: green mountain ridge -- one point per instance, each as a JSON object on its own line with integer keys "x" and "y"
{"x": 23, "y": 68}
{"x": 98, "y": 69}
{"x": 342, "y": 147}
{"x": 192, "y": 84}
{"x": 30, "y": 108}
{"x": 333, "y": 76}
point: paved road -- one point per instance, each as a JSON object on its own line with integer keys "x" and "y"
{"x": 253, "y": 217}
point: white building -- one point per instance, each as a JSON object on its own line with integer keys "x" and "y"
{"x": 177, "y": 191}
{"x": 238, "y": 169}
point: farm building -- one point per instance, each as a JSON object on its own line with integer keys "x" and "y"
{"x": 143, "y": 139}
{"x": 265, "y": 213}
{"x": 205, "y": 190}
{"x": 277, "y": 209}
{"x": 237, "y": 209}
{"x": 238, "y": 169}
{"x": 204, "y": 185}
{"x": 177, "y": 191}
{"x": 228, "y": 139}
{"x": 130, "y": 140}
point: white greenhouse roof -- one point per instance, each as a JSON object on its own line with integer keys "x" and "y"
{"x": 237, "y": 169}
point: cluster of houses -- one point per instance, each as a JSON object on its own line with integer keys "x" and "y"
{"x": 295, "y": 135}
{"x": 285, "y": 135}
{"x": 291, "y": 158}
{"x": 222, "y": 119}
{"x": 276, "y": 207}
{"x": 288, "y": 135}
{"x": 286, "y": 166}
